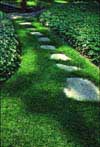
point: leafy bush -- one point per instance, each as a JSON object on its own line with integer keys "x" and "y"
{"x": 9, "y": 48}
{"x": 78, "y": 24}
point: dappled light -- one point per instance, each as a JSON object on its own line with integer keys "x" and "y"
{"x": 81, "y": 90}
{"x": 61, "y": 1}
{"x": 42, "y": 102}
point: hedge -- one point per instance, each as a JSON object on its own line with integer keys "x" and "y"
{"x": 10, "y": 52}
{"x": 77, "y": 24}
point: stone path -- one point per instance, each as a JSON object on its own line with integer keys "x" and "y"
{"x": 77, "y": 88}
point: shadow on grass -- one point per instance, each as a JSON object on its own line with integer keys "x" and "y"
{"x": 41, "y": 92}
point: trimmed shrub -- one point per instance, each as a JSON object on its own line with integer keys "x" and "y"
{"x": 9, "y": 48}
{"x": 77, "y": 24}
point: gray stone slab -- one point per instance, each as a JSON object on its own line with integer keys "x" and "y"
{"x": 25, "y": 15}
{"x": 67, "y": 68}
{"x": 15, "y": 17}
{"x": 62, "y": 57}
{"x": 81, "y": 89}
{"x": 48, "y": 47}
{"x": 25, "y": 23}
{"x": 31, "y": 29}
{"x": 36, "y": 33}
{"x": 44, "y": 39}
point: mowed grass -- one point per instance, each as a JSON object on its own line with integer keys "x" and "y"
{"x": 35, "y": 112}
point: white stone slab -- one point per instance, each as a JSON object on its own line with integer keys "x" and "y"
{"x": 47, "y": 24}
{"x": 81, "y": 89}
{"x": 48, "y": 47}
{"x": 25, "y": 23}
{"x": 44, "y": 39}
{"x": 59, "y": 57}
{"x": 67, "y": 68}
{"x": 15, "y": 17}
{"x": 36, "y": 33}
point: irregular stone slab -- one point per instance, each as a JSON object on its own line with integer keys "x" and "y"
{"x": 25, "y": 23}
{"x": 48, "y": 47}
{"x": 25, "y": 15}
{"x": 15, "y": 17}
{"x": 44, "y": 39}
{"x": 59, "y": 57}
{"x": 46, "y": 24}
{"x": 32, "y": 29}
{"x": 36, "y": 33}
{"x": 67, "y": 68}
{"x": 81, "y": 90}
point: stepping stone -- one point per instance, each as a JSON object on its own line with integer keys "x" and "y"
{"x": 44, "y": 39}
{"x": 82, "y": 90}
{"x": 46, "y": 24}
{"x": 15, "y": 17}
{"x": 32, "y": 29}
{"x": 59, "y": 57}
{"x": 48, "y": 47}
{"x": 36, "y": 33}
{"x": 67, "y": 68}
{"x": 25, "y": 23}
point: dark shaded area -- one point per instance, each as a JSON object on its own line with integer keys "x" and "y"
{"x": 8, "y": 8}
{"x": 10, "y": 53}
{"x": 68, "y": 112}
{"x": 41, "y": 98}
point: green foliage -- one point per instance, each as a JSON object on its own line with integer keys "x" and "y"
{"x": 35, "y": 112}
{"x": 9, "y": 48}
{"x": 78, "y": 24}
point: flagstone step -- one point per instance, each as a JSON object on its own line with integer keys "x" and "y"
{"x": 67, "y": 68}
{"x": 81, "y": 89}
{"x": 25, "y": 23}
{"x": 62, "y": 57}
{"x": 31, "y": 29}
{"x": 36, "y": 33}
{"x": 44, "y": 39}
{"x": 15, "y": 17}
{"x": 48, "y": 47}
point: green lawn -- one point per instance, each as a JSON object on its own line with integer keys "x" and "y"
{"x": 35, "y": 112}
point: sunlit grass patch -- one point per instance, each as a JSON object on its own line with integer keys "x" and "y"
{"x": 31, "y": 3}
{"x": 61, "y": 1}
